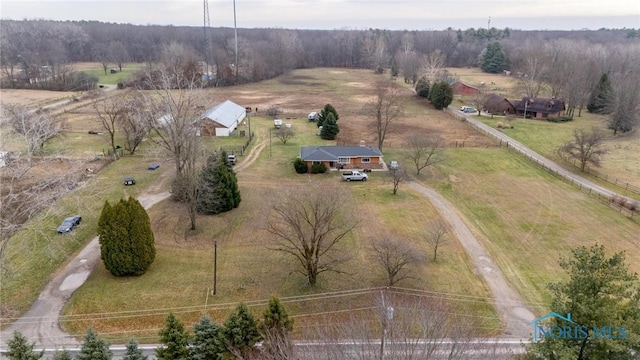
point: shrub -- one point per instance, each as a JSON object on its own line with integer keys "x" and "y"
{"x": 560, "y": 119}
{"x": 127, "y": 244}
{"x": 318, "y": 168}
{"x": 501, "y": 125}
{"x": 300, "y": 166}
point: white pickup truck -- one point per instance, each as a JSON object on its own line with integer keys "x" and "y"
{"x": 354, "y": 175}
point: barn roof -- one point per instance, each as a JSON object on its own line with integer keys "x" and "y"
{"x": 332, "y": 153}
{"x": 225, "y": 114}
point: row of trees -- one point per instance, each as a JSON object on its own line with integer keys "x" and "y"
{"x": 599, "y": 293}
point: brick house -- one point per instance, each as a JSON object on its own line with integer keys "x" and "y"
{"x": 343, "y": 157}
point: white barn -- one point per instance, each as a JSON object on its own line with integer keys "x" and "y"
{"x": 222, "y": 119}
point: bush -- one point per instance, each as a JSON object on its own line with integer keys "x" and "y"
{"x": 300, "y": 166}
{"x": 560, "y": 119}
{"x": 501, "y": 125}
{"x": 318, "y": 168}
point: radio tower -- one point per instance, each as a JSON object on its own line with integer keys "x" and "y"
{"x": 489, "y": 23}
{"x": 207, "y": 42}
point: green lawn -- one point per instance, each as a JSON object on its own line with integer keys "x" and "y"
{"x": 112, "y": 79}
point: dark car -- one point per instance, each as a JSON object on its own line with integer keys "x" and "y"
{"x": 129, "y": 181}
{"x": 154, "y": 166}
{"x": 69, "y": 223}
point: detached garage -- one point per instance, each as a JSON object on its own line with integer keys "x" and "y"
{"x": 222, "y": 119}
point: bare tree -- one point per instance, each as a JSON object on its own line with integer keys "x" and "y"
{"x": 433, "y": 65}
{"x": 309, "y": 224}
{"x": 395, "y": 256}
{"x": 534, "y": 71}
{"x": 396, "y": 177}
{"x": 284, "y": 134}
{"x": 626, "y": 107}
{"x": 132, "y": 122}
{"x": 586, "y": 147}
{"x": 110, "y": 112}
{"x": 385, "y": 108}
{"x": 173, "y": 117}
{"x": 36, "y": 127}
{"x": 437, "y": 235}
{"x": 425, "y": 151}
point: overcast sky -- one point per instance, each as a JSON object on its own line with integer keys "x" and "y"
{"x": 342, "y": 14}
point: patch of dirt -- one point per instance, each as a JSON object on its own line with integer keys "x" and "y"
{"x": 33, "y": 98}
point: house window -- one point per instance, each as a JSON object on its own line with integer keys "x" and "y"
{"x": 545, "y": 115}
{"x": 316, "y": 162}
{"x": 365, "y": 160}
{"x": 344, "y": 160}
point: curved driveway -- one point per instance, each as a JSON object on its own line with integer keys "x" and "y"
{"x": 550, "y": 165}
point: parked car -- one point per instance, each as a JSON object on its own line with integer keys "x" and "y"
{"x": 129, "y": 181}
{"x": 393, "y": 165}
{"x": 468, "y": 109}
{"x": 154, "y": 166}
{"x": 232, "y": 159}
{"x": 354, "y": 175}
{"x": 69, "y": 223}
{"x": 277, "y": 123}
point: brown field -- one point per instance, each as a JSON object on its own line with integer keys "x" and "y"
{"x": 33, "y": 98}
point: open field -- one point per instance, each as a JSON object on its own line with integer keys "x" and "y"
{"x": 513, "y": 207}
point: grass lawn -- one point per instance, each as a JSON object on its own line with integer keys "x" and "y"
{"x": 513, "y": 207}
{"x": 97, "y": 70}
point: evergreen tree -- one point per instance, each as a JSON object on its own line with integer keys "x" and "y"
{"x": 276, "y": 328}
{"x": 328, "y": 109}
{"x": 239, "y": 333}
{"x": 494, "y": 59}
{"x": 602, "y": 97}
{"x": 441, "y": 95}
{"x": 94, "y": 348}
{"x": 175, "y": 341}
{"x": 62, "y": 355}
{"x": 205, "y": 345}
{"x": 330, "y": 128}
{"x": 133, "y": 353}
{"x": 219, "y": 190}
{"x": 127, "y": 244}
{"x": 20, "y": 349}
{"x": 300, "y": 166}
{"x": 422, "y": 87}
{"x": 599, "y": 293}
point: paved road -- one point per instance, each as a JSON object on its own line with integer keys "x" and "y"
{"x": 512, "y": 310}
{"x": 552, "y": 166}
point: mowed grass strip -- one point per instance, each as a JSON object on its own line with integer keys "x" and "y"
{"x": 528, "y": 219}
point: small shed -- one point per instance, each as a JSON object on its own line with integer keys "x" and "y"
{"x": 222, "y": 119}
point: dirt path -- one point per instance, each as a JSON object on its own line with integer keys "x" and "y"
{"x": 512, "y": 310}
{"x": 41, "y": 323}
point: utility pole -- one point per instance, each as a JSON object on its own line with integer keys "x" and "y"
{"x": 215, "y": 265}
{"x": 235, "y": 33}
{"x": 489, "y": 23}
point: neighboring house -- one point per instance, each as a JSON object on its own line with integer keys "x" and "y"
{"x": 222, "y": 119}
{"x": 540, "y": 108}
{"x": 499, "y": 105}
{"x": 460, "y": 88}
{"x": 342, "y": 157}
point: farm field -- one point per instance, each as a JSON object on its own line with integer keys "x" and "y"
{"x": 511, "y": 206}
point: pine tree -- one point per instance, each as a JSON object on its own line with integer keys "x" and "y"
{"x": 494, "y": 59}
{"x": 276, "y": 328}
{"x": 175, "y": 341}
{"x": 219, "y": 191}
{"x": 602, "y": 97}
{"x": 62, "y": 355}
{"x": 94, "y": 348}
{"x": 127, "y": 244}
{"x": 328, "y": 109}
{"x": 330, "y": 128}
{"x": 441, "y": 95}
{"x": 205, "y": 335}
{"x": 20, "y": 349}
{"x": 239, "y": 333}
{"x": 133, "y": 353}
{"x": 422, "y": 87}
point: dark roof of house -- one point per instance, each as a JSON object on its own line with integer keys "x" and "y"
{"x": 540, "y": 105}
{"x": 332, "y": 153}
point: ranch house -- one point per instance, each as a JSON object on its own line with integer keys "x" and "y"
{"x": 540, "y": 108}
{"x": 343, "y": 157}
